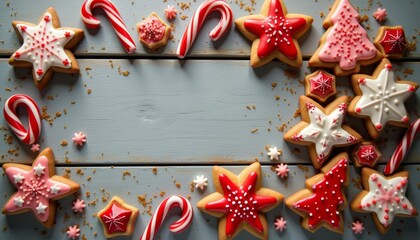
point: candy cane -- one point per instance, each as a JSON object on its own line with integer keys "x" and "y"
{"x": 402, "y": 148}
{"x": 197, "y": 21}
{"x": 34, "y": 119}
{"x": 113, "y": 16}
{"x": 161, "y": 213}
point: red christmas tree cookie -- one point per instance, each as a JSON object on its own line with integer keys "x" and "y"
{"x": 323, "y": 199}
{"x": 274, "y": 34}
{"x": 240, "y": 201}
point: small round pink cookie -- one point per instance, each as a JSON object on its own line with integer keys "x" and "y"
{"x": 35, "y": 147}
{"x": 280, "y": 224}
{"x": 79, "y": 139}
{"x": 170, "y": 12}
{"x": 282, "y": 170}
{"x": 380, "y": 14}
{"x": 78, "y": 205}
{"x": 73, "y": 232}
{"x": 153, "y": 32}
{"x": 357, "y": 227}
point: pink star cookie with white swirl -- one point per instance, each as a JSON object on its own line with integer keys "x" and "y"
{"x": 37, "y": 188}
{"x": 384, "y": 197}
{"x": 380, "y": 99}
{"x": 46, "y": 47}
{"x": 322, "y": 129}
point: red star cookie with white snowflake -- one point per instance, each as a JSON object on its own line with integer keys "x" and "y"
{"x": 240, "y": 201}
{"x": 274, "y": 34}
{"x": 384, "y": 197}
{"x": 323, "y": 199}
{"x": 391, "y": 41}
{"x": 46, "y": 47}
{"x": 380, "y": 99}
{"x": 118, "y": 218}
{"x": 366, "y": 154}
{"x": 322, "y": 129}
{"x": 320, "y": 85}
{"x": 37, "y": 188}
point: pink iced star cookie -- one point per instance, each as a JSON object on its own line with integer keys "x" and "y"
{"x": 280, "y": 224}
{"x": 73, "y": 232}
{"x": 357, "y": 227}
{"x": 79, "y": 139}
{"x": 78, "y": 205}
{"x": 282, "y": 170}
{"x": 384, "y": 197}
{"x": 170, "y": 12}
{"x": 380, "y": 14}
{"x": 37, "y": 188}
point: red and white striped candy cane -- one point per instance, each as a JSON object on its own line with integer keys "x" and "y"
{"x": 31, "y": 135}
{"x": 161, "y": 213}
{"x": 402, "y": 148}
{"x": 197, "y": 21}
{"x": 113, "y": 16}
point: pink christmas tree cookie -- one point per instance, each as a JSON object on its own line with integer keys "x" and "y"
{"x": 320, "y": 85}
{"x": 345, "y": 46}
{"x": 384, "y": 197}
{"x": 321, "y": 203}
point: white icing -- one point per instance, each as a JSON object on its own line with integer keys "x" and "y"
{"x": 387, "y": 199}
{"x": 41, "y": 208}
{"x": 18, "y": 178}
{"x": 200, "y": 182}
{"x": 383, "y": 99}
{"x": 273, "y": 153}
{"x": 43, "y": 46}
{"x": 55, "y": 189}
{"x": 39, "y": 170}
{"x": 325, "y": 131}
{"x": 18, "y": 201}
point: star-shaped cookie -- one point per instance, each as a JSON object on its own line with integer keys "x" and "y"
{"x": 323, "y": 199}
{"x": 118, "y": 218}
{"x": 274, "y": 34}
{"x": 37, "y": 188}
{"x": 384, "y": 197}
{"x": 380, "y": 99}
{"x": 322, "y": 129}
{"x": 240, "y": 201}
{"x": 46, "y": 47}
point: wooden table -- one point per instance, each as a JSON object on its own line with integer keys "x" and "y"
{"x": 149, "y": 111}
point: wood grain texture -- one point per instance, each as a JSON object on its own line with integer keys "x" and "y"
{"x": 105, "y": 182}
{"x": 103, "y": 41}
{"x": 171, "y": 112}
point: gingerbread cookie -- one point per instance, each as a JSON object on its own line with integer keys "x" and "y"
{"x": 322, "y": 129}
{"x": 37, "y": 188}
{"x": 118, "y": 218}
{"x": 153, "y": 32}
{"x": 366, "y": 154}
{"x": 46, "y": 47}
{"x": 323, "y": 199}
{"x": 320, "y": 85}
{"x": 345, "y": 46}
{"x": 380, "y": 99}
{"x": 274, "y": 34}
{"x": 240, "y": 202}
{"x": 384, "y": 197}
{"x": 391, "y": 41}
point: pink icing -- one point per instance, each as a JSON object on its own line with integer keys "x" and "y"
{"x": 357, "y": 227}
{"x": 79, "y": 138}
{"x": 347, "y": 41}
{"x": 380, "y": 14}
{"x": 280, "y": 224}
{"x": 151, "y": 30}
{"x": 73, "y": 232}
{"x": 170, "y": 12}
{"x": 35, "y": 189}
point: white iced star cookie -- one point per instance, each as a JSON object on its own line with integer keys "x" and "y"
{"x": 274, "y": 153}
{"x": 322, "y": 129}
{"x": 45, "y": 47}
{"x": 200, "y": 182}
{"x": 380, "y": 99}
{"x": 384, "y": 197}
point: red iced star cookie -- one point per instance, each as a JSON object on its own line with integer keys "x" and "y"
{"x": 320, "y": 204}
{"x": 391, "y": 41}
{"x": 384, "y": 197}
{"x": 320, "y": 85}
{"x": 37, "y": 188}
{"x": 274, "y": 34}
{"x": 46, "y": 47}
{"x": 366, "y": 154}
{"x": 240, "y": 201}
{"x": 118, "y": 218}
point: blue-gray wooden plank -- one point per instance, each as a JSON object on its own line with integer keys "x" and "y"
{"x": 169, "y": 112}
{"x": 107, "y": 182}
{"x": 104, "y": 41}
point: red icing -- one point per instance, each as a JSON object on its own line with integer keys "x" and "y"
{"x": 47, "y": 18}
{"x": 367, "y": 154}
{"x": 240, "y": 203}
{"x": 411, "y": 88}
{"x": 323, "y": 204}
{"x": 23, "y": 28}
{"x": 116, "y": 218}
{"x": 275, "y": 31}
{"x": 39, "y": 72}
{"x": 394, "y": 41}
{"x": 67, "y": 34}
{"x": 17, "y": 55}
{"x": 322, "y": 84}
